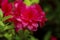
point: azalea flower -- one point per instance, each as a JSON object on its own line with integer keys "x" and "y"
{"x": 6, "y": 7}
{"x": 24, "y": 16}
{"x": 29, "y": 16}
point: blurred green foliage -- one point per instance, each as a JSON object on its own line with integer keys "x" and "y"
{"x": 25, "y": 35}
{"x": 52, "y": 9}
{"x": 6, "y": 30}
{"x": 30, "y": 2}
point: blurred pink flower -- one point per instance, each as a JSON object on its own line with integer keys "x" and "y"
{"x": 6, "y": 7}
{"x": 24, "y": 17}
{"x": 28, "y": 17}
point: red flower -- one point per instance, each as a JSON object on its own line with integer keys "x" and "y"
{"x": 24, "y": 17}
{"x": 0, "y": 2}
{"x": 6, "y": 7}
{"x": 28, "y": 17}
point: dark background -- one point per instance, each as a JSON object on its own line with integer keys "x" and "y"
{"x": 52, "y": 10}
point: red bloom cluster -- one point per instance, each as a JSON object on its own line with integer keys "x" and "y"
{"x": 24, "y": 17}
{"x": 6, "y": 7}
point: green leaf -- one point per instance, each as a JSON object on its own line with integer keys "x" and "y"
{"x": 26, "y": 32}
{"x": 1, "y": 23}
{"x": 8, "y": 36}
{"x": 35, "y": 1}
{"x": 30, "y": 2}
{"x": 27, "y": 2}
{"x": 1, "y": 35}
{"x": 1, "y": 13}
{"x": 11, "y": 0}
{"x": 17, "y": 37}
{"x": 6, "y": 18}
{"x": 7, "y": 27}
{"x": 32, "y": 38}
{"x": 47, "y": 36}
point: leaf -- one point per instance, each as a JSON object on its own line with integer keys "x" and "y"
{"x": 1, "y": 35}
{"x": 11, "y": 0}
{"x": 26, "y": 32}
{"x": 32, "y": 38}
{"x": 1, "y": 13}
{"x": 27, "y": 2}
{"x": 7, "y": 27}
{"x": 6, "y": 18}
{"x": 17, "y": 37}
{"x": 8, "y": 36}
{"x": 35, "y": 1}
{"x": 47, "y": 36}
{"x": 1, "y": 23}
